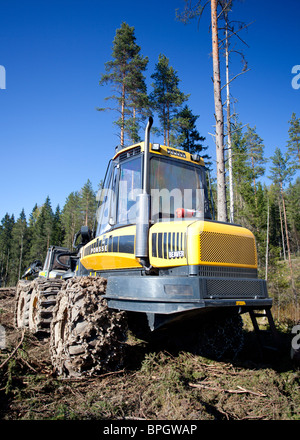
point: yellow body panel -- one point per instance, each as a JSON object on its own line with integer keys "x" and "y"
{"x": 219, "y": 244}
{"x": 106, "y": 252}
{"x": 201, "y": 242}
{"x": 172, "y": 244}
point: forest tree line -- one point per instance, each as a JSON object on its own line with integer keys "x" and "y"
{"x": 24, "y": 240}
{"x": 272, "y": 212}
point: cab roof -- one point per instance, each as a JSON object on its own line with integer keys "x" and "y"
{"x": 163, "y": 150}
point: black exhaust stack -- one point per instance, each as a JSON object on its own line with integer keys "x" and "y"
{"x": 143, "y": 201}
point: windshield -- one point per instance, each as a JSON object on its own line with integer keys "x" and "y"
{"x": 117, "y": 200}
{"x": 130, "y": 184}
{"x": 178, "y": 190}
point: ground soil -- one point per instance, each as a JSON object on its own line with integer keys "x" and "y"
{"x": 155, "y": 384}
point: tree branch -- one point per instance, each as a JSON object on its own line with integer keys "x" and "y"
{"x": 235, "y": 78}
{"x": 14, "y": 351}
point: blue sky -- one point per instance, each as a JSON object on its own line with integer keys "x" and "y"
{"x": 52, "y": 139}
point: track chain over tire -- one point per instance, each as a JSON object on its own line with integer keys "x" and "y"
{"x": 42, "y": 301}
{"x": 223, "y": 337}
{"x": 86, "y": 337}
{"x": 22, "y": 299}
{"x": 219, "y": 337}
{"x": 34, "y": 302}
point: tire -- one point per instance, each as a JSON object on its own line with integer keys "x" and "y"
{"x": 217, "y": 337}
{"x": 86, "y": 337}
{"x": 222, "y": 338}
{"x": 42, "y": 301}
{"x": 22, "y": 299}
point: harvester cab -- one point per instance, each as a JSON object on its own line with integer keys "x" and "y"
{"x": 57, "y": 263}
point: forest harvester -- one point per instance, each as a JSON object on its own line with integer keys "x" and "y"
{"x": 156, "y": 262}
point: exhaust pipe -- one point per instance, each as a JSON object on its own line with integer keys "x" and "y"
{"x": 143, "y": 201}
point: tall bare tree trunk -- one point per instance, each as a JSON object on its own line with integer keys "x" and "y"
{"x": 221, "y": 184}
{"x": 281, "y": 227}
{"x": 168, "y": 126}
{"x": 231, "y": 198}
{"x": 123, "y": 112}
{"x": 267, "y": 240}
{"x": 254, "y": 181}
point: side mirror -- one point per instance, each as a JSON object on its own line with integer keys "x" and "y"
{"x": 86, "y": 236}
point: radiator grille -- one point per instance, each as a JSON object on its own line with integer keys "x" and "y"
{"x": 234, "y": 289}
{"x": 168, "y": 245}
{"x": 226, "y": 248}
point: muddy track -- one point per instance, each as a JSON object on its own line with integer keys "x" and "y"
{"x": 86, "y": 337}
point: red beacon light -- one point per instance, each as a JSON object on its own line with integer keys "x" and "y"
{"x": 185, "y": 213}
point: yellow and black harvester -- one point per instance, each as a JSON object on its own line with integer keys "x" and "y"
{"x": 156, "y": 261}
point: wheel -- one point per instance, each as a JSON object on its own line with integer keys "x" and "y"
{"x": 22, "y": 299}
{"x": 86, "y": 337}
{"x": 42, "y": 301}
{"x": 221, "y": 337}
{"x": 217, "y": 336}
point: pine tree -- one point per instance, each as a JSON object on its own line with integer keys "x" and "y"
{"x": 124, "y": 73}
{"x": 166, "y": 98}
{"x": 138, "y": 101}
{"x": 293, "y": 143}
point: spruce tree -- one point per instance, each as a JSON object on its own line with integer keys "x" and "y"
{"x": 124, "y": 73}
{"x": 185, "y": 134}
{"x": 6, "y": 228}
{"x": 71, "y": 218}
{"x": 20, "y": 247}
{"x": 57, "y": 236}
{"x": 166, "y": 98}
{"x": 293, "y": 143}
{"x": 42, "y": 232}
{"x": 87, "y": 204}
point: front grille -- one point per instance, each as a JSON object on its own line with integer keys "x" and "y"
{"x": 234, "y": 289}
{"x": 168, "y": 245}
{"x": 216, "y": 247}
